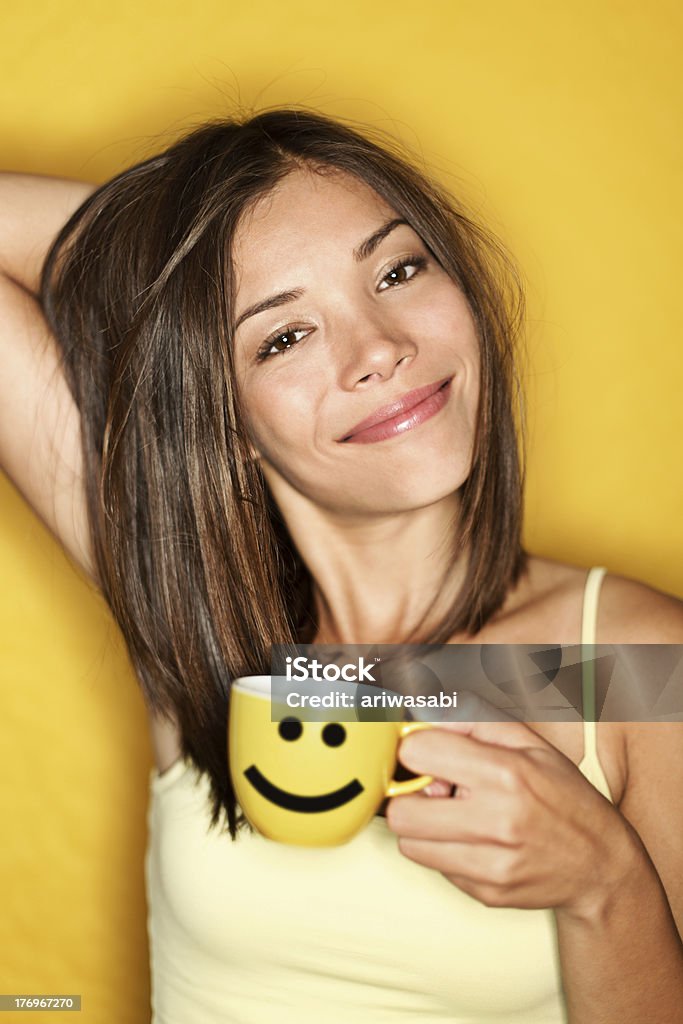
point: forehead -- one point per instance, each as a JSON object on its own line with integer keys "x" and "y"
{"x": 309, "y": 212}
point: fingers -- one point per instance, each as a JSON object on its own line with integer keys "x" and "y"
{"x": 444, "y": 820}
{"x": 504, "y": 733}
{"x": 439, "y": 787}
{"x": 480, "y": 863}
{"x": 447, "y": 754}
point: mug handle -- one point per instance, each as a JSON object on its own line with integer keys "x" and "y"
{"x": 410, "y": 785}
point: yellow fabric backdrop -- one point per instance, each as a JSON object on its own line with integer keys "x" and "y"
{"x": 560, "y": 123}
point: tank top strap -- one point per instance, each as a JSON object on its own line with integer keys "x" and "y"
{"x": 590, "y": 763}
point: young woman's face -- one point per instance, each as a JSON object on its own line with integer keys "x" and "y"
{"x": 360, "y": 382}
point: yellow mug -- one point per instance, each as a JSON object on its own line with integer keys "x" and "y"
{"x": 310, "y": 783}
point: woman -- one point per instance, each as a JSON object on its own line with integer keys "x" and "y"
{"x": 291, "y": 415}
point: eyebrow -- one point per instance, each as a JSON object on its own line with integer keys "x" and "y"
{"x": 361, "y": 253}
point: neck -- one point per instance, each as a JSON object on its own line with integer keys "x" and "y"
{"x": 378, "y": 579}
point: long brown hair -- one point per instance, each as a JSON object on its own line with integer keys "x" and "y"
{"x": 192, "y": 555}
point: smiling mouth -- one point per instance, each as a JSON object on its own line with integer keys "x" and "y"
{"x": 402, "y": 415}
{"x": 303, "y": 804}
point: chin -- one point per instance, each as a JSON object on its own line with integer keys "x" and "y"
{"x": 404, "y": 491}
{"x": 426, "y": 477}
{"x": 418, "y": 497}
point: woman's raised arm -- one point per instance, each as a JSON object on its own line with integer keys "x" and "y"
{"x": 40, "y": 448}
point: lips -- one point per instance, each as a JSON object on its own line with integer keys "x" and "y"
{"x": 402, "y": 414}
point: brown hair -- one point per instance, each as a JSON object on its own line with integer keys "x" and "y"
{"x": 193, "y": 557}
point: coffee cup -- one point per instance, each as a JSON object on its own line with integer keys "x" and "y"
{"x": 310, "y": 783}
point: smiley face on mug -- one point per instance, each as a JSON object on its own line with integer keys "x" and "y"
{"x": 309, "y": 783}
{"x": 333, "y": 734}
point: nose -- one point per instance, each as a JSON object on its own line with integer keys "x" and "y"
{"x": 372, "y": 354}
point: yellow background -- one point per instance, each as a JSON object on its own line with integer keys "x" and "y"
{"x": 560, "y": 124}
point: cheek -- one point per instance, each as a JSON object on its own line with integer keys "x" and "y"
{"x": 280, "y": 421}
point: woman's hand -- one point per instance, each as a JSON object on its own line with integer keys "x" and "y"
{"x": 524, "y": 829}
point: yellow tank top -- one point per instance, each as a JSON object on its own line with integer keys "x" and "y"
{"x": 254, "y": 932}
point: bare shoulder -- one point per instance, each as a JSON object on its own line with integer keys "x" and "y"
{"x": 166, "y": 741}
{"x": 633, "y": 612}
{"x": 544, "y": 607}
{"x": 549, "y": 600}
{"x": 547, "y": 608}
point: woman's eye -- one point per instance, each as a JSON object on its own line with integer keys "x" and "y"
{"x": 397, "y": 274}
{"x": 280, "y": 342}
{"x": 283, "y": 341}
